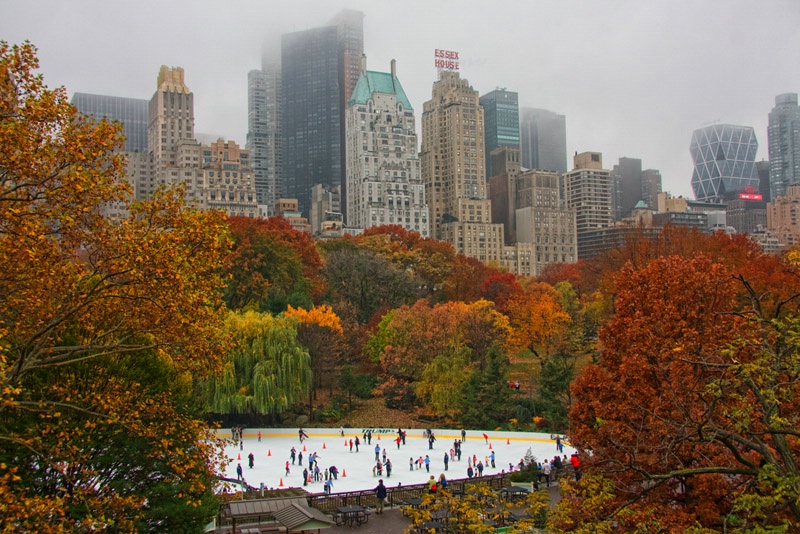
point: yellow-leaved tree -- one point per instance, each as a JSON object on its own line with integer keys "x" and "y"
{"x": 104, "y": 325}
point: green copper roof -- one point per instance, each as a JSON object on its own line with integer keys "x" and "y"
{"x": 378, "y": 82}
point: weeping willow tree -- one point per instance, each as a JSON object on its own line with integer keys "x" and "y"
{"x": 266, "y": 372}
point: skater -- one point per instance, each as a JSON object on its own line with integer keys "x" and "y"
{"x": 388, "y": 465}
{"x": 427, "y": 464}
{"x": 334, "y": 472}
{"x": 377, "y": 452}
{"x": 411, "y": 463}
{"x": 470, "y": 472}
{"x": 251, "y": 460}
{"x": 398, "y": 440}
{"x": 293, "y": 454}
{"x": 328, "y": 486}
{"x": 446, "y": 460}
{"x": 431, "y": 439}
{"x": 351, "y": 445}
{"x": 239, "y": 472}
{"x": 480, "y": 469}
{"x": 369, "y": 437}
{"x": 241, "y": 445}
{"x": 300, "y": 458}
{"x": 486, "y": 438}
{"x": 358, "y": 442}
{"x": 259, "y": 436}
{"x": 491, "y": 457}
{"x": 559, "y": 445}
{"x": 305, "y": 476}
{"x": 287, "y": 468}
{"x": 463, "y": 435}
{"x": 384, "y": 455}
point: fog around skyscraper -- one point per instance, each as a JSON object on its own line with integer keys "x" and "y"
{"x": 633, "y": 79}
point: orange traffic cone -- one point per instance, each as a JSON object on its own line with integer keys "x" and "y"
{"x": 344, "y": 473}
{"x": 239, "y": 456}
{"x": 280, "y": 483}
{"x": 508, "y": 441}
{"x": 269, "y": 452}
{"x": 490, "y": 446}
{"x": 379, "y": 437}
{"x": 345, "y": 443}
{"x": 304, "y": 448}
{"x": 309, "y": 478}
{"x": 323, "y": 445}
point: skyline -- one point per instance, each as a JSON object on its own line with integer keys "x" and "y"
{"x": 633, "y": 79}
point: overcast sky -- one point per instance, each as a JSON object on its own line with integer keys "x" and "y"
{"x": 634, "y": 78}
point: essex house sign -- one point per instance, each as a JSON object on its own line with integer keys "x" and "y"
{"x": 445, "y": 59}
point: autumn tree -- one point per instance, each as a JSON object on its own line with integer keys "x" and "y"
{"x": 319, "y": 331}
{"x": 271, "y": 265}
{"x": 693, "y": 406}
{"x": 367, "y": 281}
{"x": 104, "y": 325}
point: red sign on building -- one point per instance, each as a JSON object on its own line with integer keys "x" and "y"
{"x": 445, "y": 59}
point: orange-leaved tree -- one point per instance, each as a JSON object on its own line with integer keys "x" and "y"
{"x": 693, "y": 407}
{"x": 104, "y": 323}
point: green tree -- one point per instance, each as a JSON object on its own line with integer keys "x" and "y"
{"x": 487, "y": 397}
{"x": 267, "y": 370}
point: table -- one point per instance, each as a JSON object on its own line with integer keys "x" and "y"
{"x": 352, "y": 515}
{"x": 436, "y": 525}
{"x": 413, "y": 502}
{"x": 515, "y": 493}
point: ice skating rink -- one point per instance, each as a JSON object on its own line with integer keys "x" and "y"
{"x": 356, "y": 468}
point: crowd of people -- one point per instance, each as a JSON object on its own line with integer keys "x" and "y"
{"x": 313, "y": 472}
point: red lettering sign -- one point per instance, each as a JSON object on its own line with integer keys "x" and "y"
{"x": 445, "y": 59}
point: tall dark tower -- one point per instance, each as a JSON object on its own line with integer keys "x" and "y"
{"x": 543, "y": 140}
{"x": 319, "y": 69}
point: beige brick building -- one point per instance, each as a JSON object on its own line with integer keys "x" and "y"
{"x": 453, "y": 170}
{"x": 783, "y": 217}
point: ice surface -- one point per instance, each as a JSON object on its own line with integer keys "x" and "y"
{"x": 355, "y": 468}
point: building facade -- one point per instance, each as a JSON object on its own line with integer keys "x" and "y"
{"x": 783, "y": 217}
{"x": 384, "y": 185}
{"x": 588, "y": 189}
{"x": 543, "y": 221}
{"x": 724, "y": 157}
{"x": 501, "y": 123}
{"x": 783, "y": 139}
{"x": 543, "y": 140}
{"x": 264, "y": 140}
{"x": 454, "y": 170}
{"x": 229, "y": 179}
{"x": 131, "y": 112}
{"x": 503, "y": 189}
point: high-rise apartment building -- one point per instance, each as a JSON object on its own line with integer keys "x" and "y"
{"x": 783, "y": 139}
{"x": 229, "y": 178}
{"x": 318, "y": 67}
{"x": 501, "y": 123}
{"x": 454, "y": 170}
{"x": 543, "y": 140}
{"x": 131, "y": 112}
{"x": 171, "y": 115}
{"x": 383, "y": 181}
{"x": 264, "y": 140}
{"x": 544, "y": 221}
{"x": 588, "y": 189}
{"x": 651, "y": 187}
{"x": 724, "y": 157}
{"x": 325, "y": 215}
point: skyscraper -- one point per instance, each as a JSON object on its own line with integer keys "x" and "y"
{"x": 501, "y": 123}
{"x": 318, "y": 68}
{"x": 588, "y": 189}
{"x": 454, "y": 172}
{"x": 543, "y": 140}
{"x": 383, "y": 173}
{"x": 783, "y": 139}
{"x": 131, "y": 112}
{"x": 264, "y": 140}
{"x": 724, "y": 157}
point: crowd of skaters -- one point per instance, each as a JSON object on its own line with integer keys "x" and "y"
{"x": 475, "y": 466}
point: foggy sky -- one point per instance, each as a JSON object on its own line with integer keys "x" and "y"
{"x": 634, "y": 78}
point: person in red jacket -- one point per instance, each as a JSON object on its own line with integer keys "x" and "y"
{"x": 576, "y": 464}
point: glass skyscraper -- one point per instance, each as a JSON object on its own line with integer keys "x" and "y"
{"x": 501, "y": 122}
{"x": 724, "y": 159}
{"x": 543, "y": 140}
{"x": 131, "y": 112}
{"x": 318, "y": 68}
{"x": 783, "y": 139}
